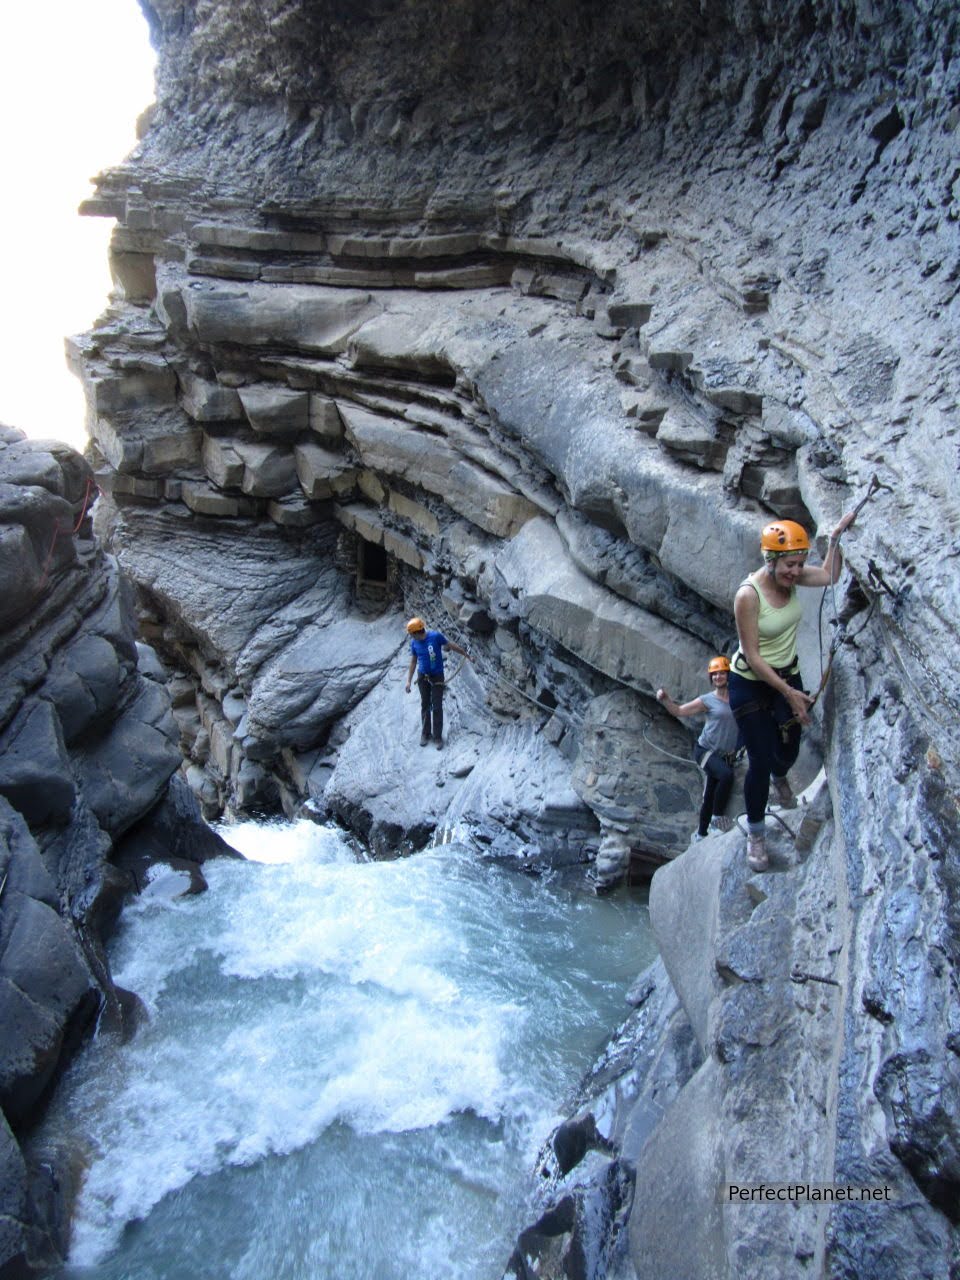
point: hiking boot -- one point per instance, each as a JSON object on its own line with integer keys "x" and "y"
{"x": 438, "y": 743}
{"x": 757, "y": 859}
{"x": 720, "y": 822}
{"x": 424, "y": 739}
{"x": 696, "y": 836}
{"x": 784, "y": 793}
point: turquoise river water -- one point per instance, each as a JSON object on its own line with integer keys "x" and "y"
{"x": 348, "y": 1067}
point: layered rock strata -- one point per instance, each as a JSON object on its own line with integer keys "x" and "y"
{"x": 90, "y": 804}
{"x": 527, "y": 319}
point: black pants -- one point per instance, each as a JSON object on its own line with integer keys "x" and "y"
{"x": 761, "y": 713}
{"x": 718, "y": 782}
{"x": 431, "y": 706}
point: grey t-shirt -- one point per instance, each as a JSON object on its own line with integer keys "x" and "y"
{"x": 720, "y": 733}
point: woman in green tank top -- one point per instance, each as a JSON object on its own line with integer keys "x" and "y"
{"x": 766, "y": 692}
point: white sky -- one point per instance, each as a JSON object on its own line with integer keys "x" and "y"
{"x": 74, "y": 76}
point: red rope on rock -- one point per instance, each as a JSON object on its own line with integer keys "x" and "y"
{"x": 57, "y": 531}
{"x": 86, "y": 503}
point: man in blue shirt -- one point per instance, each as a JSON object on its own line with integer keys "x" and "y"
{"x": 426, "y": 650}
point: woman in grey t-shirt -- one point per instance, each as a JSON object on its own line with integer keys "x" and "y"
{"x": 716, "y": 747}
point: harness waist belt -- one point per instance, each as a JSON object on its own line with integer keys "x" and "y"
{"x": 729, "y": 757}
{"x": 740, "y": 665}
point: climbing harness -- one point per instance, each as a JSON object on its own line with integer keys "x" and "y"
{"x": 728, "y": 757}
{"x": 432, "y": 681}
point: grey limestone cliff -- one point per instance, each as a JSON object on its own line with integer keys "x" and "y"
{"x": 526, "y": 318}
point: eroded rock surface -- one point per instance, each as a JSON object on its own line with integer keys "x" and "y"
{"x": 526, "y": 318}
{"x": 88, "y": 770}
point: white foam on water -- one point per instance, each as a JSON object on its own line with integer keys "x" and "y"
{"x": 358, "y": 923}
{"x": 280, "y": 841}
{"x": 307, "y": 995}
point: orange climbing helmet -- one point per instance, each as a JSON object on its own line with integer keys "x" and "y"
{"x": 784, "y": 537}
{"x": 718, "y": 664}
{"x": 416, "y": 625}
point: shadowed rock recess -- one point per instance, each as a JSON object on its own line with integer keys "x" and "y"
{"x": 526, "y": 318}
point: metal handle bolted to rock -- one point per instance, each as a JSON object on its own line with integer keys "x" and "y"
{"x": 800, "y": 976}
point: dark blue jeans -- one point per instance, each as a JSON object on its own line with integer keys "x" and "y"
{"x": 761, "y": 714}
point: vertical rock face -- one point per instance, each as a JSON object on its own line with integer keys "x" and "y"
{"x": 526, "y": 318}
{"x": 88, "y": 746}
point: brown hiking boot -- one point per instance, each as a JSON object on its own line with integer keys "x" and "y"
{"x": 757, "y": 859}
{"x": 784, "y": 793}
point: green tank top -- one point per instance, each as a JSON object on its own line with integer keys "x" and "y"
{"x": 778, "y": 633}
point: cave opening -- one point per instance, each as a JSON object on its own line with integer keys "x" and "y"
{"x": 372, "y": 567}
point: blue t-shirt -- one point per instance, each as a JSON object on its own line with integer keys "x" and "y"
{"x": 429, "y": 653}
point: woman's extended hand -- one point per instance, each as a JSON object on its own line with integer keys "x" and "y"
{"x": 800, "y": 704}
{"x": 843, "y": 523}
